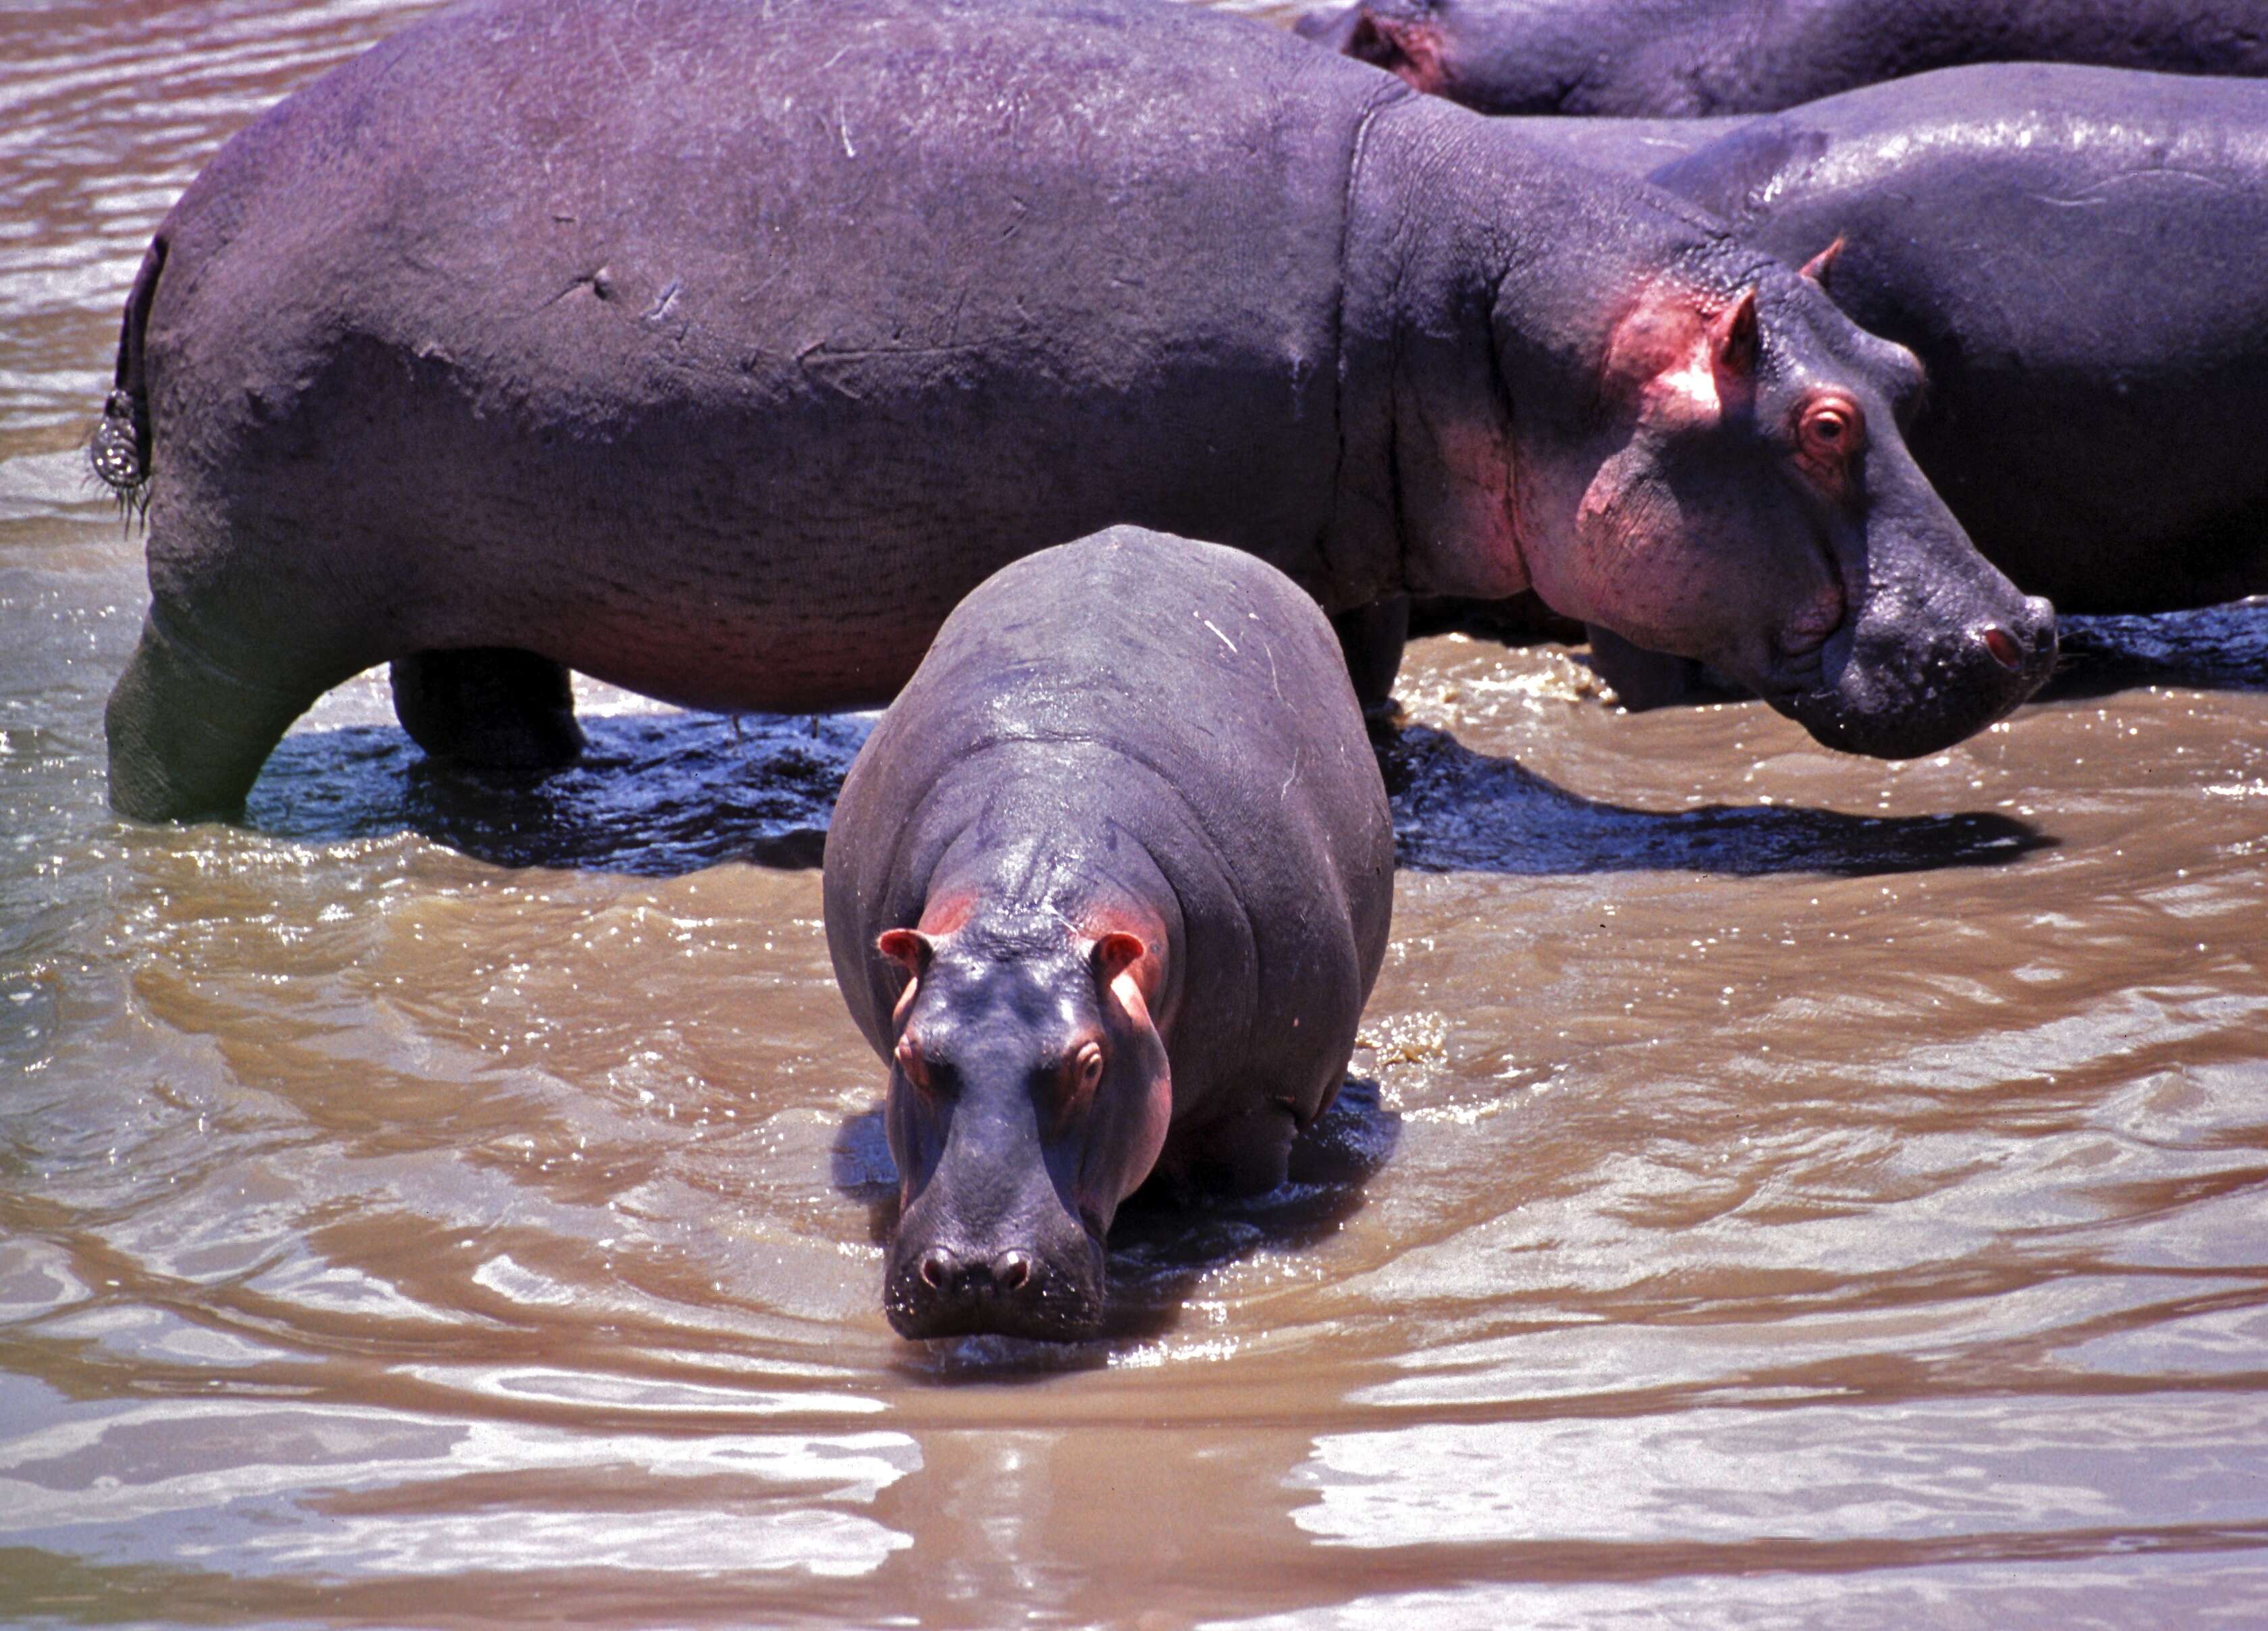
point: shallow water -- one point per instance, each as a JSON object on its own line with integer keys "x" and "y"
{"x": 1777, "y": 1189}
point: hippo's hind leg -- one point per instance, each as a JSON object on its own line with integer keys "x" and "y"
{"x": 1372, "y": 638}
{"x": 488, "y": 706}
{"x": 188, "y": 735}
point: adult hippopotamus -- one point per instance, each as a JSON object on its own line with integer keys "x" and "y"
{"x": 1107, "y": 887}
{"x": 2074, "y": 254}
{"x": 718, "y": 350}
{"x": 1683, "y": 59}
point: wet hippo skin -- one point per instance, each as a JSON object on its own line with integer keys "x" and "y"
{"x": 1107, "y": 887}
{"x": 717, "y": 352}
{"x": 1689, "y": 58}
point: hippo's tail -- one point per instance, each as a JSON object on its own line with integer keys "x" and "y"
{"x": 119, "y": 452}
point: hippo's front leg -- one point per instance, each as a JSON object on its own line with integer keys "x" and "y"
{"x": 1372, "y": 638}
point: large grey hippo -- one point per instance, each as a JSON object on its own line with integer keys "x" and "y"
{"x": 718, "y": 350}
{"x": 1107, "y": 887}
{"x": 1687, "y": 58}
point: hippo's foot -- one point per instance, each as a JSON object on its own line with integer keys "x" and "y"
{"x": 1371, "y": 638}
{"x": 490, "y": 707}
{"x": 1644, "y": 679}
{"x": 188, "y": 736}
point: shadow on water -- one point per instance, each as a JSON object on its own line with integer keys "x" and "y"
{"x": 2212, "y": 648}
{"x": 1455, "y": 810}
{"x": 654, "y": 794}
{"x": 1163, "y": 1243}
{"x": 664, "y": 794}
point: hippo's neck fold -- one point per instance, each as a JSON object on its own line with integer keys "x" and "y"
{"x": 1484, "y": 275}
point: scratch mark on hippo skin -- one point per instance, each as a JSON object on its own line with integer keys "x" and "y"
{"x": 667, "y": 299}
{"x": 1217, "y": 634}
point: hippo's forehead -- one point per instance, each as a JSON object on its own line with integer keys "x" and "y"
{"x": 1810, "y": 344}
{"x": 987, "y": 998}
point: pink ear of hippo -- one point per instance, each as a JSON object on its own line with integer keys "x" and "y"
{"x": 1815, "y": 269}
{"x": 1733, "y": 340}
{"x": 1114, "y": 953}
{"x": 909, "y": 949}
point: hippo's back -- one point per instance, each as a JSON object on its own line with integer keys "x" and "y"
{"x": 766, "y": 289}
{"x": 1134, "y": 685}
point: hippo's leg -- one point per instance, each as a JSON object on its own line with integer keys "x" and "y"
{"x": 1644, "y": 679}
{"x": 1249, "y": 1153}
{"x": 188, "y": 735}
{"x": 1371, "y": 636}
{"x": 488, "y": 705}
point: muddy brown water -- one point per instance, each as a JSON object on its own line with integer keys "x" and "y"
{"x": 1775, "y": 1189}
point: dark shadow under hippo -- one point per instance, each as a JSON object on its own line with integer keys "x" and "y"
{"x": 1107, "y": 887}
{"x": 2075, "y": 256}
{"x": 718, "y": 352}
{"x": 1692, "y": 58}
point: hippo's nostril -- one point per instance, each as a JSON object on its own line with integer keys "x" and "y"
{"x": 2006, "y": 650}
{"x": 1012, "y": 1271}
{"x": 937, "y": 1268}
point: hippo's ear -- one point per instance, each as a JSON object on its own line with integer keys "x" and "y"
{"x": 1113, "y": 954}
{"x": 1815, "y": 267}
{"x": 909, "y": 949}
{"x": 1733, "y": 342}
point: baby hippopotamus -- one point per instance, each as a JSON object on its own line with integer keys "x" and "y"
{"x": 1107, "y": 887}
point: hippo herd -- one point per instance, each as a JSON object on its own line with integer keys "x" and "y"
{"x": 805, "y": 356}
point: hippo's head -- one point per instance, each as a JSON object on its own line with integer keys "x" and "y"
{"x": 1538, "y": 56}
{"x": 1737, "y": 489}
{"x": 1029, "y": 1095}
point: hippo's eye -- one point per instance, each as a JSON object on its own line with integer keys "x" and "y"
{"x": 1085, "y": 1069}
{"x": 911, "y": 1062}
{"x": 1832, "y": 429}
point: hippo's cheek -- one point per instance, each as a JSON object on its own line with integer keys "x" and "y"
{"x": 1632, "y": 566}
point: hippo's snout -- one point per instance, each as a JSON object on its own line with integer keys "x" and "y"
{"x": 1886, "y": 694}
{"x": 941, "y": 1291}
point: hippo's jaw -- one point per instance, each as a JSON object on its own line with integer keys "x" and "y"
{"x": 1937, "y": 644}
{"x": 1883, "y": 693}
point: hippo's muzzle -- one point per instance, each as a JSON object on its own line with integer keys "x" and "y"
{"x": 1873, "y": 687}
{"x": 951, "y": 1288}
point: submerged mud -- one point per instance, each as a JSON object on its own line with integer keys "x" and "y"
{"x": 1774, "y": 1188}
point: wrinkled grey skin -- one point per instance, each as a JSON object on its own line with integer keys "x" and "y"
{"x": 1692, "y": 58}
{"x": 1131, "y": 734}
{"x": 716, "y": 351}
{"x": 2074, "y": 254}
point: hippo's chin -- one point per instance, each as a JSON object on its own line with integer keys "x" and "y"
{"x": 1061, "y": 1301}
{"x": 1068, "y": 1318}
{"x": 1890, "y": 702}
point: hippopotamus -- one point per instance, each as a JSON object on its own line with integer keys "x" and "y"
{"x": 1687, "y": 58}
{"x": 2073, "y": 254}
{"x": 1107, "y": 888}
{"x": 717, "y": 351}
